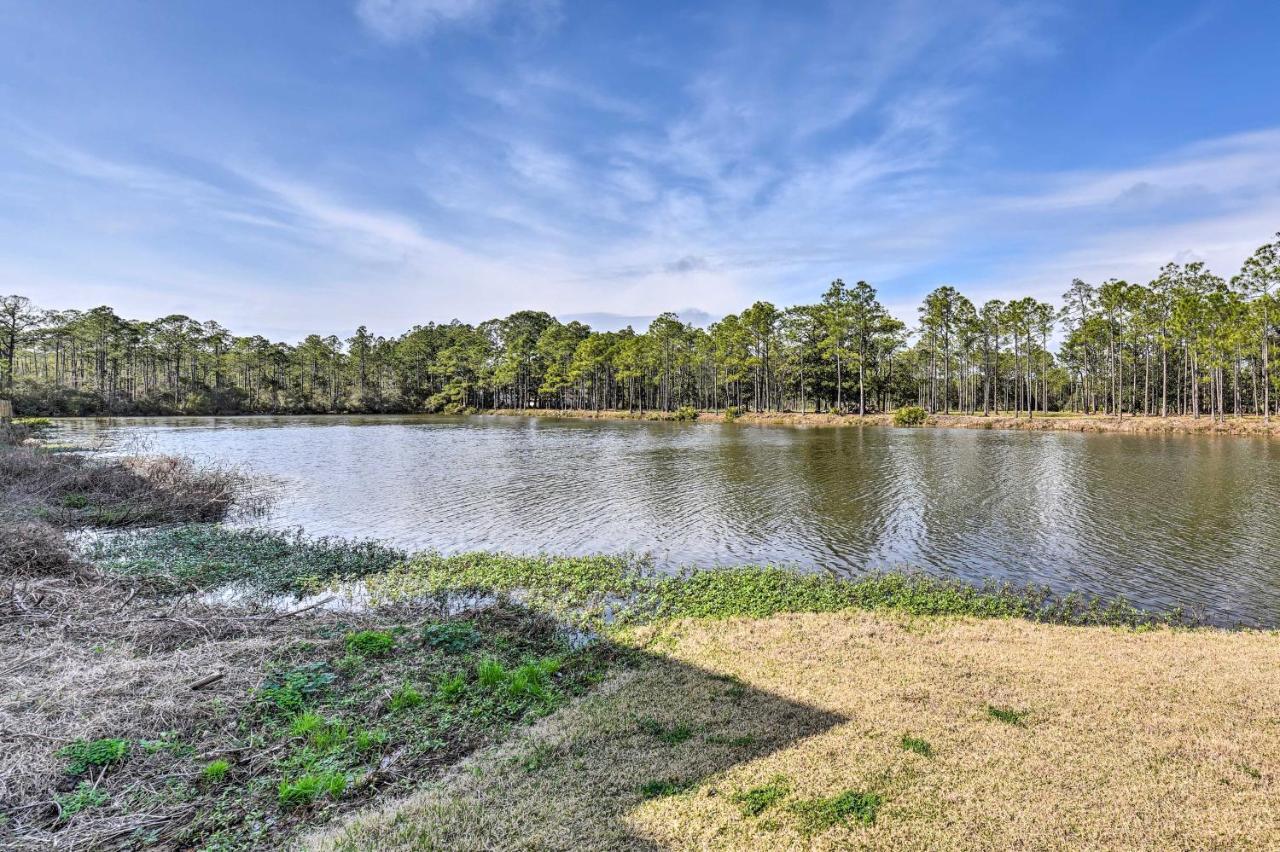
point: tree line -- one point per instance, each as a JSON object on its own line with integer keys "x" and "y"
{"x": 1188, "y": 342}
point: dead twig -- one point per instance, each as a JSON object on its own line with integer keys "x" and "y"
{"x": 208, "y": 679}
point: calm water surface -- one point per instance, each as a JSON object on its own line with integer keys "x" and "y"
{"x": 1161, "y": 520}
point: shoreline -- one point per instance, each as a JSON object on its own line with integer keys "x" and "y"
{"x": 1053, "y": 422}
{"x": 1243, "y": 427}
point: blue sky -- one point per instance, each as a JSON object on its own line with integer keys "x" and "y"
{"x": 288, "y": 167}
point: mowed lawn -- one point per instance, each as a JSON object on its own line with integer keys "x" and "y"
{"x": 863, "y": 730}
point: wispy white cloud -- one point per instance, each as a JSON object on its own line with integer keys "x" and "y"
{"x": 770, "y": 160}
{"x": 401, "y": 20}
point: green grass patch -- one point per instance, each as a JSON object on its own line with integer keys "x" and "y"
{"x": 370, "y": 643}
{"x": 817, "y": 815}
{"x": 917, "y": 745}
{"x": 757, "y": 800}
{"x": 669, "y": 734}
{"x": 305, "y": 789}
{"x": 406, "y": 697}
{"x": 582, "y": 589}
{"x": 663, "y": 787}
{"x": 1008, "y": 715}
{"x": 74, "y": 501}
{"x": 451, "y": 689}
{"x": 215, "y": 772}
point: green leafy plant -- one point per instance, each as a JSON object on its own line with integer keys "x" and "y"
{"x": 685, "y": 413}
{"x": 74, "y": 501}
{"x": 291, "y": 690}
{"x": 731, "y": 414}
{"x": 83, "y": 797}
{"x": 451, "y": 637}
{"x": 83, "y": 754}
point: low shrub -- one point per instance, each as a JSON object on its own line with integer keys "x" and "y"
{"x": 685, "y": 413}
{"x": 731, "y": 414}
{"x": 910, "y": 415}
{"x": 370, "y": 643}
{"x": 34, "y": 549}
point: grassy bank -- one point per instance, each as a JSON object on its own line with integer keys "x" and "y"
{"x": 1053, "y": 421}
{"x": 884, "y": 731}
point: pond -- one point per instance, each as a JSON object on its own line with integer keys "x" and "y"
{"x": 1164, "y": 521}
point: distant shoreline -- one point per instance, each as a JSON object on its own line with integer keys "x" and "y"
{"x": 1248, "y": 426}
{"x": 1052, "y": 422}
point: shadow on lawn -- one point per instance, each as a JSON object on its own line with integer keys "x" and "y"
{"x": 661, "y": 728}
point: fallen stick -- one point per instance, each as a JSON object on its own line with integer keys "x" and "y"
{"x": 320, "y": 602}
{"x": 208, "y": 679}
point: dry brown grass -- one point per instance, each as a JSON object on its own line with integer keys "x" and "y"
{"x": 92, "y": 657}
{"x": 1132, "y": 740}
{"x": 73, "y": 489}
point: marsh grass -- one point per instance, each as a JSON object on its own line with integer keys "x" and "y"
{"x": 600, "y": 591}
{"x": 209, "y": 556}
